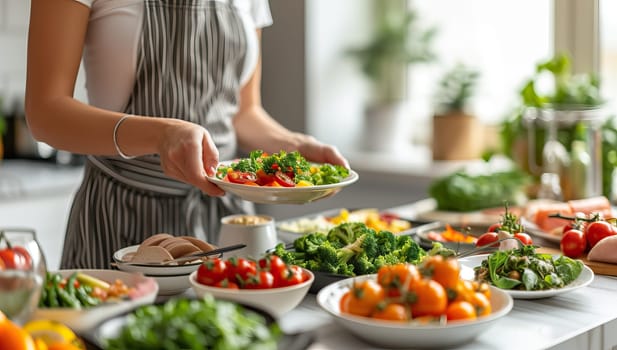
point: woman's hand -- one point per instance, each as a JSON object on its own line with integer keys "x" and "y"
{"x": 319, "y": 152}
{"x": 188, "y": 154}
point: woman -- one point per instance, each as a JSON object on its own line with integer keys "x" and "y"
{"x": 173, "y": 87}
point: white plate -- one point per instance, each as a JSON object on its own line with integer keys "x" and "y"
{"x": 153, "y": 270}
{"x": 395, "y": 334}
{"x": 85, "y": 319}
{"x": 533, "y": 229}
{"x": 172, "y": 285}
{"x": 283, "y": 195}
{"x": 584, "y": 279}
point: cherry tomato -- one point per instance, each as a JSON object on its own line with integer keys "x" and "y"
{"x": 443, "y": 270}
{"x": 290, "y": 276}
{"x": 25, "y": 254}
{"x": 260, "y": 280}
{"x": 391, "y": 312}
{"x": 212, "y": 271}
{"x": 597, "y": 230}
{"x": 460, "y": 310}
{"x": 241, "y": 177}
{"x": 225, "y": 283}
{"x": 395, "y": 278}
{"x": 488, "y": 238}
{"x": 365, "y": 296}
{"x": 524, "y": 238}
{"x": 13, "y": 259}
{"x": 494, "y": 228}
{"x": 275, "y": 265}
{"x": 239, "y": 269}
{"x": 573, "y": 243}
{"x": 283, "y": 179}
{"x": 429, "y": 298}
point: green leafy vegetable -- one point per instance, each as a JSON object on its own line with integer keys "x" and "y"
{"x": 464, "y": 192}
{"x": 195, "y": 324}
{"x": 525, "y": 269}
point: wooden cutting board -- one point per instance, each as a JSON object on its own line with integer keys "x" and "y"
{"x": 599, "y": 268}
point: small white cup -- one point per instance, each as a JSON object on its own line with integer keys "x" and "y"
{"x": 258, "y": 232}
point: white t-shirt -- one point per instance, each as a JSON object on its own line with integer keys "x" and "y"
{"x": 114, "y": 30}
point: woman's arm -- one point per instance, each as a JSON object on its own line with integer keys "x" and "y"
{"x": 55, "y": 43}
{"x": 256, "y": 129}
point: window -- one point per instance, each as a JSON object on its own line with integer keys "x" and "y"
{"x": 608, "y": 53}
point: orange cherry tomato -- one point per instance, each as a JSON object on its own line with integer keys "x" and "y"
{"x": 481, "y": 303}
{"x": 392, "y": 312}
{"x": 343, "y": 303}
{"x": 443, "y": 270}
{"x": 460, "y": 310}
{"x": 395, "y": 278}
{"x": 365, "y": 296}
{"x": 427, "y": 298}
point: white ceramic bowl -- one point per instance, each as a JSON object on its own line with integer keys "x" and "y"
{"x": 404, "y": 335}
{"x": 152, "y": 270}
{"x": 276, "y": 301}
{"x": 172, "y": 285}
{"x": 85, "y": 319}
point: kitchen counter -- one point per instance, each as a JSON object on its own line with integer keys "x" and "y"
{"x": 582, "y": 319}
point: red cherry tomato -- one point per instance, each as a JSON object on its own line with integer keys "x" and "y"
{"x": 240, "y": 177}
{"x": 263, "y": 178}
{"x": 272, "y": 263}
{"x": 488, "y": 238}
{"x": 212, "y": 271}
{"x": 25, "y": 254}
{"x": 292, "y": 275}
{"x": 573, "y": 243}
{"x": 239, "y": 269}
{"x": 260, "y": 280}
{"x": 225, "y": 283}
{"x": 13, "y": 259}
{"x": 524, "y": 238}
{"x": 494, "y": 228}
{"x": 598, "y": 230}
{"x": 283, "y": 179}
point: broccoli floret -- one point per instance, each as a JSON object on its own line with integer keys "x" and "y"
{"x": 386, "y": 242}
{"x": 310, "y": 242}
{"x": 387, "y": 259}
{"x": 289, "y": 257}
{"x": 346, "y": 233}
{"x": 410, "y": 252}
{"x": 362, "y": 264}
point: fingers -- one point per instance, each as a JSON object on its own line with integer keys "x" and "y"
{"x": 210, "y": 155}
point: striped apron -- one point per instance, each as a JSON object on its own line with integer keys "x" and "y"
{"x": 190, "y": 59}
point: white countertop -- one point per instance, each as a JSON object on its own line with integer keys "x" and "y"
{"x": 24, "y": 178}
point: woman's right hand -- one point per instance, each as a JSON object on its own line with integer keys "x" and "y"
{"x": 188, "y": 154}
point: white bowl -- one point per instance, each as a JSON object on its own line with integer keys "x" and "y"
{"x": 81, "y": 320}
{"x": 405, "y": 335}
{"x": 276, "y": 301}
{"x": 152, "y": 270}
{"x": 172, "y": 285}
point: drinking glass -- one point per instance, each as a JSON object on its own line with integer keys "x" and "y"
{"x": 22, "y": 273}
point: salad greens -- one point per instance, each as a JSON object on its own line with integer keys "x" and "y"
{"x": 350, "y": 249}
{"x": 461, "y": 191}
{"x": 195, "y": 324}
{"x": 524, "y": 269}
{"x": 291, "y": 163}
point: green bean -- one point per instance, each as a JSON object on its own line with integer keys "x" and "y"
{"x": 66, "y": 299}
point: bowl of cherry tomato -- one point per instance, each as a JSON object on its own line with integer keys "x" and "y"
{"x": 268, "y": 283}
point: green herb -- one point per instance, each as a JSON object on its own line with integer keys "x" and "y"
{"x": 456, "y": 88}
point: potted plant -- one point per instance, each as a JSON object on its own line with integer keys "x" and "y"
{"x": 570, "y": 118}
{"x": 456, "y": 132}
{"x": 398, "y": 42}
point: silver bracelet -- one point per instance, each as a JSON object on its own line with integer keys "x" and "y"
{"x": 116, "y": 127}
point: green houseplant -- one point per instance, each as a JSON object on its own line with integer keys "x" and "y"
{"x": 576, "y": 108}
{"x": 456, "y": 131}
{"x": 398, "y": 41}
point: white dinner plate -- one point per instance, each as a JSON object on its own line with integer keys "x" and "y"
{"x": 584, "y": 279}
{"x": 283, "y": 195}
{"x": 153, "y": 270}
{"x": 408, "y": 335}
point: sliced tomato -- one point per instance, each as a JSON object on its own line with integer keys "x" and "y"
{"x": 241, "y": 177}
{"x": 283, "y": 179}
{"x": 524, "y": 238}
{"x": 263, "y": 178}
{"x": 488, "y": 238}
